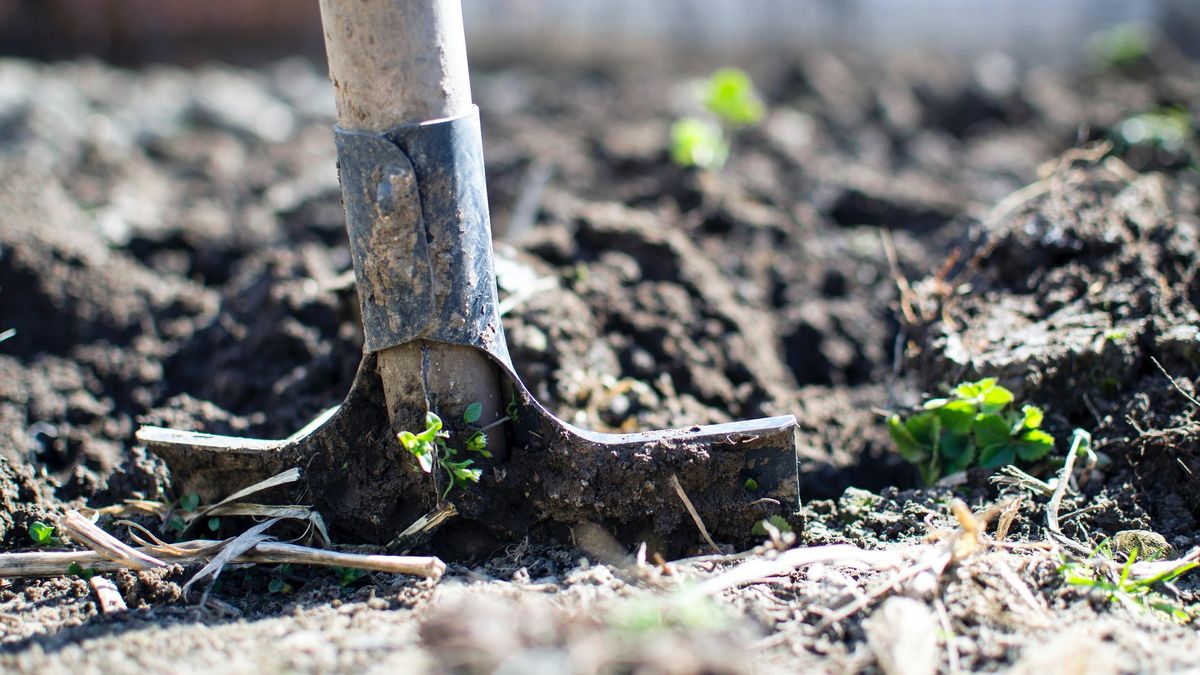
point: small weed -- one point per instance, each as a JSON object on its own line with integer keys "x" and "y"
{"x": 77, "y": 570}
{"x": 348, "y": 576}
{"x": 1167, "y": 128}
{"x": 1122, "y": 45}
{"x": 431, "y": 447}
{"x": 729, "y": 97}
{"x": 43, "y": 534}
{"x": 278, "y": 584}
{"x": 699, "y": 143}
{"x": 189, "y": 502}
{"x": 729, "y": 94}
{"x": 1118, "y": 584}
{"x": 975, "y": 426}
{"x": 778, "y": 522}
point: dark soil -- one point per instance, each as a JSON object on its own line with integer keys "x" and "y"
{"x": 172, "y": 252}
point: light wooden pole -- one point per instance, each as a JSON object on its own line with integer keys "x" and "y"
{"x": 395, "y": 62}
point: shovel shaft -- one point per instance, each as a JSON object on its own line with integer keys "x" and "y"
{"x": 396, "y": 62}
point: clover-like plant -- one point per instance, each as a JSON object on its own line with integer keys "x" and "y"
{"x": 977, "y": 425}
{"x": 431, "y": 447}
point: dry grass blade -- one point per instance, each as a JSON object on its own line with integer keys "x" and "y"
{"x": 290, "y": 476}
{"x": 232, "y": 549}
{"x": 424, "y": 526}
{"x": 687, "y": 503}
{"x": 87, "y": 533}
{"x": 761, "y": 569}
{"x": 1007, "y": 516}
{"x": 292, "y": 511}
{"x": 1191, "y": 399}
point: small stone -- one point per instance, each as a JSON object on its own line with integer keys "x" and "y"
{"x": 1149, "y": 545}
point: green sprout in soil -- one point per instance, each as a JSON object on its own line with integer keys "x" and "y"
{"x": 431, "y": 447}
{"x": 729, "y": 96}
{"x": 43, "y": 535}
{"x": 1118, "y": 585}
{"x": 77, "y": 570}
{"x": 1122, "y": 45}
{"x": 699, "y": 143}
{"x": 348, "y": 576}
{"x": 1167, "y": 128}
{"x": 977, "y": 425}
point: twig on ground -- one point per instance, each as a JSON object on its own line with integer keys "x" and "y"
{"x": 104, "y": 544}
{"x": 58, "y": 563}
{"x": 687, "y": 503}
{"x": 1191, "y": 399}
{"x": 108, "y": 598}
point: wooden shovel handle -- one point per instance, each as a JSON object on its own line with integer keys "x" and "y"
{"x": 396, "y": 62}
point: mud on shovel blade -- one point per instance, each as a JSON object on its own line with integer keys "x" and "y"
{"x": 420, "y": 238}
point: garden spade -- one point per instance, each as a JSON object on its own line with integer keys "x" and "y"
{"x": 411, "y": 170}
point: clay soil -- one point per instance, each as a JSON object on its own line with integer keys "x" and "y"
{"x": 172, "y": 252}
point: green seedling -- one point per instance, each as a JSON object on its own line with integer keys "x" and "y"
{"x": 43, "y": 534}
{"x": 348, "y": 576}
{"x": 189, "y": 502}
{"x": 77, "y": 570}
{"x": 1166, "y": 128}
{"x": 976, "y": 425}
{"x": 278, "y": 584}
{"x": 729, "y": 94}
{"x": 699, "y": 143}
{"x": 729, "y": 97}
{"x": 1118, "y": 585}
{"x": 431, "y": 447}
{"x": 778, "y": 522}
{"x": 1122, "y": 45}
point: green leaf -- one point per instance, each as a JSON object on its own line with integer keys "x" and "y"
{"x": 1034, "y": 445}
{"x": 214, "y": 524}
{"x": 750, "y": 484}
{"x": 433, "y": 424}
{"x": 275, "y": 585}
{"x": 974, "y": 390}
{"x": 1031, "y": 416}
{"x": 1038, "y": 436}
{"x": 921, "y": 426}
{"x": 957, "y": 416}
{"x": 997, "y": 455}
{"x": 473, "y": 413}
{"x": 189, "y": 502}
{"x": 75, "y": 569}
{"x": 424, "y": 455}
{"x": 996, "y": 398}
{"x": 698, "y": 143}
{"x": 41, "y": 533}
{"x": 962, "y": 459}
{"x": 991, "y": 429}
{"x": 935, "y": 403}
{"x": 952, "y": 446}
{"x": 730, "y": 95}
{"x": 408, "y": 440}
{"x": 908, "y": 446}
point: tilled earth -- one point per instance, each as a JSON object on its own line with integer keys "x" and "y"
{"x": 172, "y": 252}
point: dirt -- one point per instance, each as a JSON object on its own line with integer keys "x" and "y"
{"x": 173, "y": 252}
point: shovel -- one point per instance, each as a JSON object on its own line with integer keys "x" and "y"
{"x": 411, "y": 169}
